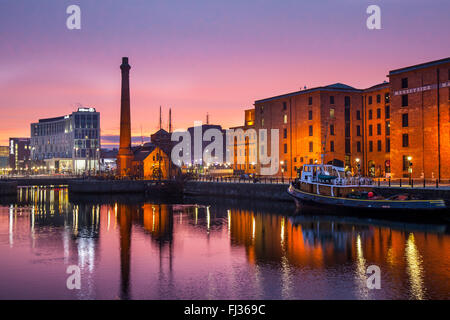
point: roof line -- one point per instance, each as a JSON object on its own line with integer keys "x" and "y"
{"x": 419, "y": 66}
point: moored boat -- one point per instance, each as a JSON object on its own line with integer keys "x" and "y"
{"x": 329, "y": 185}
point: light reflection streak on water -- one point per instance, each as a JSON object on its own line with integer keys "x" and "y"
{"x": 285, "y": 266}
{"x": 11, "y": 226}
{"x": 361, "y": 269}
{"x": 196, "y": 215}
{"x": 208, "y": 218}
{"x": 253, "y": 227}
{"x": 229, "y": 222}
{"x": 153, "y": 218}
{"x": 414, "y": 268}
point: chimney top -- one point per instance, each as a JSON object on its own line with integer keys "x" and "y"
{"x": 125, "y": 60}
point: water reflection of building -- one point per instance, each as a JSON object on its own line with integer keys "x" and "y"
{"x": 270, "y": 238}
{"x": 50, "y": 210}
{"x": 158, "y": 221}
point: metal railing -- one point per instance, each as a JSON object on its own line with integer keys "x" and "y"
{"x": 411, "y": 183}
{"x": 377, "y": 182}
{"x": 260, "y": 180}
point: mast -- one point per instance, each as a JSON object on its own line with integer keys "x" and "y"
{"x": 170, "y": 120}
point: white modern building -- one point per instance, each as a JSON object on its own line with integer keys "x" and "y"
{"x": 68, "y": 144}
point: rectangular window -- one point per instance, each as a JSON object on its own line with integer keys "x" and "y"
{"x": 388, "y": 145}
{"x": 347, "y": 146}
{"x": 331, "y": 146}
{"x": 405, "y": 163}
{"x": 386, "y": 98}
{"x": 310, "y": 131}
{"x": 378, "y": 113}
{"x": 311, "y": 149}
{"x": 370, "y": 99}
{"x": 284, "y": 105}
{"x": 285, "y": 148}
{"x": 404, "y": 120}
{"x": 404, "y": 100}
{"x": 331, "y": 99}
{"x": 378, "y": 98}
{"x": 379, "y": 129}
{"x": 347, "y": 114}
{"x": 347, "y": 130}
{"x": 310, "y": 100}
{"x": 388, "y": 128}
{"x": 370, "y": 146}
{"x": 332, "y": 113}
{"x": 358, "y": 146}
{"x": 370, "y": 130}
{"x": 370, "y": 115}
{"x": 284, "y": 133}
{"x": 358, "y": 115}
{"x": 404, "y": 83}
{"x": 358, "y": 131}
{"x": 262, "y": 122}
{"x": 310, "y": 115}
{"x": 285, "y": 118}
{"x": 347, "y": 101}
{"x": 387, "y": 112}
{"x": 405, "y": 140}
{"x": 332, "y": 129}
{"x": 379, "y": 145}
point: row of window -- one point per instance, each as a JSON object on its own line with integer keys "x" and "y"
{"x": 387, "y": 131}
{"x": 49, "y": 129}
{"x": 86, "y": 134}
{"x": 358, "y": 129}
{"x": 387, "y": 113}
{"x": 86, "y": 121}
{"x": 378, "y": 97}
{"x": 379, "y": 147}
{"x": 405, "y": 144}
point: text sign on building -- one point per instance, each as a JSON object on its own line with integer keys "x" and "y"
{"x": 420, "y": 89}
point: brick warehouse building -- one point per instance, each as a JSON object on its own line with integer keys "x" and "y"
{"x": 390, "y": 129}
{"x": 421, "y": 120}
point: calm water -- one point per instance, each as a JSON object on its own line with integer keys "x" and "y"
{"x": 133, "y": 248}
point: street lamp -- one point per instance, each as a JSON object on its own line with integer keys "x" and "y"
{"x": 410, "y": 164}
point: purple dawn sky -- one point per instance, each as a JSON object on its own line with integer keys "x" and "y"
{"x": 199, "y": 56}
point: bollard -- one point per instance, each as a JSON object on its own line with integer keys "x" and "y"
{"x": 400, "y": 182}
{"x": 412, "y": 183}
{"x": 424, "y": 184}
{"x": 437, "y": 183}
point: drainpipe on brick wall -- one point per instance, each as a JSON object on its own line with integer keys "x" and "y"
{"x": 363, "y": 111}
{"x": 290, "y": 129}
{"x": 423, "y": 135}
{"x": 439, "y": 127}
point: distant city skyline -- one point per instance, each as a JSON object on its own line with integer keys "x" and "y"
{"x": 198, "y": 57}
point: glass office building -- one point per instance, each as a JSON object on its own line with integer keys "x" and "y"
{"x": 67, "y": 144}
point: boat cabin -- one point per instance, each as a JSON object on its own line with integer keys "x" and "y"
{"x": 322, "y": 173}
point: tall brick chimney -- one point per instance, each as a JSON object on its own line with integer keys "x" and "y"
{"x": 125, "y": 156}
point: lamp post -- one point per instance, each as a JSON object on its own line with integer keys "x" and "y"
{"x": 410, "y": 164}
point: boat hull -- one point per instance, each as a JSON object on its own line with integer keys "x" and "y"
{"x": 419, "y": 205}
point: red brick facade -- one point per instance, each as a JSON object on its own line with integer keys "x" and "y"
{"x": 366, "y": 129}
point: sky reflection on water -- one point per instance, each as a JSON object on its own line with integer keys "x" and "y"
{"x": 134, "y": 248}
